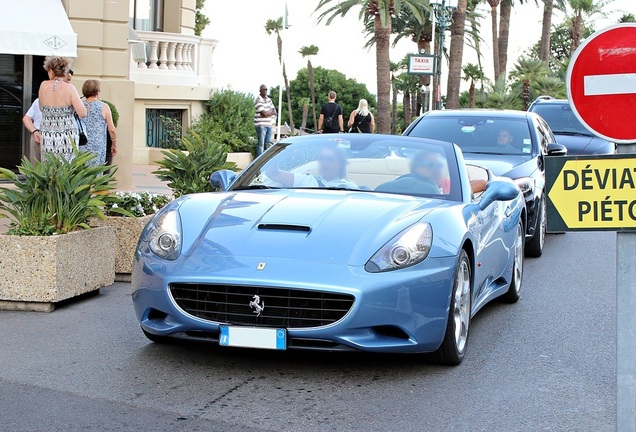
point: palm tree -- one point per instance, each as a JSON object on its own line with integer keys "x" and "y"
{"x": 381, "y": 13}
{"x": 472, "y": 73}
{"x": 526, "y": 72}
{"x": 583, "y": 9}
{"x": 456, "y": 52}
{"x": 495, "y": 36}
{"x": 308, "y": 51}
{"x": 275, "y": 27}
{"x": 627, "y": 18}
{"x": 394, "y": 95}
{"x": 505, "y": 10}
{"x": 474, "y": 39}
{"x": 546, "y": 27}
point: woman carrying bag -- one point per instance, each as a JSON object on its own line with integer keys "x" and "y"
{"x": 361, "y": 120}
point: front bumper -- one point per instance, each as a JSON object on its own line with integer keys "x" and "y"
{"x": 398, "y": 311}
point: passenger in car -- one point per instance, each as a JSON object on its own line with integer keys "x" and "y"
{"x": 430, "y": 166}
{"x": 332, "y": 168}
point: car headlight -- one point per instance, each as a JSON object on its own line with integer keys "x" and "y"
{"x": 165, "y": 235}
{"x": 526, "y": 184}
{"x": 408, "y": 248}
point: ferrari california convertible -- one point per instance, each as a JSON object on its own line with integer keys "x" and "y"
{"x": 335, "y": 242}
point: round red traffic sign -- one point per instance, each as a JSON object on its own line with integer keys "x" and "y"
{"x": 601, "y": 83}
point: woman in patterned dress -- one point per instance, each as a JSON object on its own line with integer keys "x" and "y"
{"x": 59, "y": 101}
{"x": 99, "y": 122}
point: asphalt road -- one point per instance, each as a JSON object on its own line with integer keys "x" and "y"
{"x": 546, "y": 363}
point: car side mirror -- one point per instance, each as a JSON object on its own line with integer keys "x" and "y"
{"x": 555, "y": 149}
{"x": 498, "y": 191}
{"x": 222, "y": 179}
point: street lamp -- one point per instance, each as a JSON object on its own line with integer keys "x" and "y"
{"x": 443, "y": 11}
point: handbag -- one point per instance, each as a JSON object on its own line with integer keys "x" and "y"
{"x": 81, "y": 127}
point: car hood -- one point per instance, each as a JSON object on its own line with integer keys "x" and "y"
{"x": 580, "y": 144}
{"x": 329, "y": 226}
{"x": 511, "y": 166}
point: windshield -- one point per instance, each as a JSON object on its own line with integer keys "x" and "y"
{"x": 561, "y": 119}
{"x": 478, "y": 134}
{"x": 366, "y": 163}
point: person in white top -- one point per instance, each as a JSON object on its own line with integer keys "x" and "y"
{"x": 263, "y": 119}
{"x": 332, "y": 168}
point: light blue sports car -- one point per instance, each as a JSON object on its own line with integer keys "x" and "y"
{"x": 335, "y": 242}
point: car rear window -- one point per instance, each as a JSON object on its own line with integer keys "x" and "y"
{"x": 478, "y": 134}
{"x": 560, "y": 118}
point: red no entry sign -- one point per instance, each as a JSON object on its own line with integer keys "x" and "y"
{"x": 601, "y": 83}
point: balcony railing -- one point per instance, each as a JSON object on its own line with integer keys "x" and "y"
{"x": 171, "y": 59}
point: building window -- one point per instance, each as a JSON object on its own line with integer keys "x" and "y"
{"x": 164, "y": 127}
{"x": 146, "y": 15}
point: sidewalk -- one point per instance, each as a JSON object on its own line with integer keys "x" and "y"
{"x": 144, "y": 180}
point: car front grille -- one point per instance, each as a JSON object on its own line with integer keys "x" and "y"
{"x": 283, "y": 307}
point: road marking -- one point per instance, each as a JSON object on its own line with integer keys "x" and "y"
{"x": 597, "y": 85}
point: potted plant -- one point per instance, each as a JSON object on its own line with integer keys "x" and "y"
{"x": 188, "y": 171}
{"x": 128, "y": 216}
{"x": 50, "y": 253}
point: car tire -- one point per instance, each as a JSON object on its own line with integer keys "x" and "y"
{"x": 514, "y": 289}
{"x": 453, "y": 348}
{"x": 156, "y": 338}
{"x": 534, "y": 247}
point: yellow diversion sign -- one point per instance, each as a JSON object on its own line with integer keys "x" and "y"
{"x": 591, "y": 193}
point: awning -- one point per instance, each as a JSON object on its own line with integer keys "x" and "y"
{"x": 36, "y": 27}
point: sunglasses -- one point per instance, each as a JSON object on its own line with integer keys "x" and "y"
{"x": 429, "y": 165}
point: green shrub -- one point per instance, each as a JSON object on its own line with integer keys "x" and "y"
{"x": 55, "y": 196}
{"x": 190, "y": 172}
{"x": 138, "y": 204}
{"x": 229, "y": 120}
{"x": 113, "y": 110}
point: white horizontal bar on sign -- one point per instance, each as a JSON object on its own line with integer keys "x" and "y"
{"x": 597, "y": 85}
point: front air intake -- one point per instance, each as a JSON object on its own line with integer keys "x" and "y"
{"x": 284, "y": 227}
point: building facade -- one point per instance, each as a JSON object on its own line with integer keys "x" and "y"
{"x": 148, "y": 59}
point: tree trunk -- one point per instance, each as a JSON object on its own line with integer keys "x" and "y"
{"x": 279, "y": 44}
{"x": 303, "y": 125}
{"x": 546, "y": 27}
{"x": 471, "y": 94}
{"x": 504, "y": 33}
{"x": 577, "y": 25}
{"x": 457, "y": 30}
{"x": 383, "y": 70}
{"x": 495, "y": 41}
{"x": 312, "y": 87}
{"x": 289, "y": 105}
{"x": 415, "y": 99}
{"x": 394, "y": 107}
{"x": 406, "y": 106}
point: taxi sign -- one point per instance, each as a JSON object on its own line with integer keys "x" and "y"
{"x": 591, "y": 193}
{"x": 421, "y": 64}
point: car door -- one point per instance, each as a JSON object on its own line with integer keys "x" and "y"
{"x": 486, "y": 225}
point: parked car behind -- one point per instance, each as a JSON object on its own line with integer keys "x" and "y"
{"x": 567, "y": 128}
{"x": 512, "y": 144}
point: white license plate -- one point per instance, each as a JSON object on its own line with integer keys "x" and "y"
{"x": 253, "y": 337}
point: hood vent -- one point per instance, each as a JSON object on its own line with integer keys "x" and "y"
{"x": 284, "y": 227}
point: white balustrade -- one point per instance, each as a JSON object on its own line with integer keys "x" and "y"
{"x": 172, "y": 57}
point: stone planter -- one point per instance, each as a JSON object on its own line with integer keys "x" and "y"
{"x": 38, "y": 272}
{"x": 241, "y": 159}
{"x": 156, "y": 154}
{"x": 127, "y": 232}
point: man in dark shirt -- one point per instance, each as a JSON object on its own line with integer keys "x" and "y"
{"x": 330, "y": 120}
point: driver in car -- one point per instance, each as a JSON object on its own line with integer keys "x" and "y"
{"x": 332, "y": 168}
{"x": 505, "y": 138}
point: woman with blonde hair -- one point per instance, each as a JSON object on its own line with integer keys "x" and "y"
{"x": 99, "y": 122}
{"x": 59, "y": 102}
{"x": 361, "y": 120}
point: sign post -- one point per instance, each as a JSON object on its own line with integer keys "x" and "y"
{"x": 601, "y": 85}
